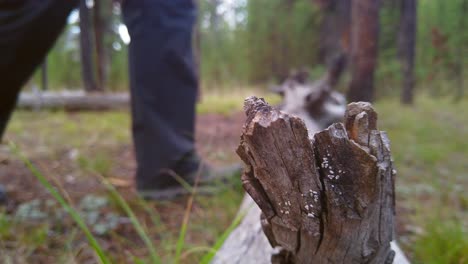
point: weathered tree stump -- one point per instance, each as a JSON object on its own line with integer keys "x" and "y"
{"x": 329, "y": 199}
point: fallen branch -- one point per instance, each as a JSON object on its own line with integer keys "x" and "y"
{"x": 73, "y": 101}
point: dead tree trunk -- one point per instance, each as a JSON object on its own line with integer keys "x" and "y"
{"x": 86, "y": 50}
{"x": 73, "y": 101}
{"x": 406, "y": 47}
{"x": 363, "y": 57}
{"x": 326, "y": 200}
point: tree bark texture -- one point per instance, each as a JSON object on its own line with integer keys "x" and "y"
{"x": 100, "y": 19}
{"x": 86, "y": 49}
{"x": 329, "y": 199}
{"x": 248, "y": 244}
{"x": 197, "y": 51}
{"x": 460, "y": 51}
{"x": 364, "y": 46}
{"x": 407, "y": 47}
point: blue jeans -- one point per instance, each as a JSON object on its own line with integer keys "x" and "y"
{"x": 163, "y": 81}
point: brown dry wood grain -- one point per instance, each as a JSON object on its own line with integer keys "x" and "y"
{"x": 329, "y": 199}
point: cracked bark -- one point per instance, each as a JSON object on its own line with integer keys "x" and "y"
{"x": 329, "y": 199}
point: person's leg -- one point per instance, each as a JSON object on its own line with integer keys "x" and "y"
{"x": 28, "y": 29}
{"x": 163, "y": 86}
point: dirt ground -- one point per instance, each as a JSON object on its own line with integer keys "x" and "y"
{"x": 217, "y": 137}
{"x": 69, "y": 156}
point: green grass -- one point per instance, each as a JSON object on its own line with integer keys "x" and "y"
{"x": 39, "y": 235}
{"x": 428, "y": 144}
{"x": 430, "y": 150}
{"x": 101, "y": 256}
{"x": 219, "y": 243}
{"x": 442, "y": 242}
{"x": 142, "y": 233}
{"x": 99, "y": 163}
{"x": 227, "y": 101}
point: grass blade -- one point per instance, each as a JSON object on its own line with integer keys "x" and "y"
{"x": 136, "y": 224}
{"x": 183, "y": 229}
{"x": 61, "y": 200}
{"x": 196, "y": 250}
{"x": 220, "y": 241}
{"x": 154, "y": 216}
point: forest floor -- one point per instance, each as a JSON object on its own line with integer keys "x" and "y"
{"x": 76, "y": 151}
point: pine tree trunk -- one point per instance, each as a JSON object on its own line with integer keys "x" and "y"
{"x": 100, "y": 30}
{"x": 364, "y": 46}
{"x": 334, "y": 29}
{"x": 215, "y": 32}
{"x": 461, "y": 49}
{"x": 86, "y": 49}
{"x": 197, "y": 50}
{"x": 407, "y": 46}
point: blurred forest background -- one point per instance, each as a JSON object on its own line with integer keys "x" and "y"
{"x": 251, "y": 43}
{"x": 242, "y": 47}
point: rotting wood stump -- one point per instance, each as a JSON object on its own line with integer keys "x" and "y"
{"x": 329, "y": 199}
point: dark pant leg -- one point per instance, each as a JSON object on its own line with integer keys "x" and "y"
{"x": 163, "y": 84}
{"x": 28, "y": 29}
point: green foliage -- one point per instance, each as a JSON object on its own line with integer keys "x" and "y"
{"x": 118, "y": 75}
{"x": 144, "y": 235}
{"x": 247, "y": 42}
{"x": 229, "y": 100}
{"x": 99, "y": 163}
{"x": 222, "y": 48}
{"x": 442, "y": 242}
{"x": 281, "y": 36}
{"x": 63, "y": 63}
{"x": 101, "y": 256}
{"x": 429, "y": 148}
{"x": 220, "y": 241}
{"x": 89, "y": 215}
{"x": 428, "y": 144}
{"x": 441, "y": 61}
{"x": 33, "y": 235}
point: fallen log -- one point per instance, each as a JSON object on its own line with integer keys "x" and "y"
{"x": 329, "y": 199}
{"x": 73, "y": 101}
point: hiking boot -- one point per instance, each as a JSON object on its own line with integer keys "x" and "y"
{"x": 186, "y": 174}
